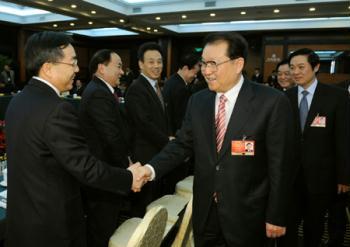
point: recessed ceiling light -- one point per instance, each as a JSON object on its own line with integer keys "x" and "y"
{"x": 148, "y": 28}
{"x": 121, "y": 20}
{"x": 90, "y": 23}
{"x": 55, "y": 25}
{"x": 212, "y": 14}
{"x": 93, "y": 12}
{"x": 276, "y": 11}
{"x": 155, "y": 30}
{"x": 73, "y": 6}
{"x": 312, "y": 9}
{"x": 349, "y": 7}
{"x": 243, "y": 12}
{"x": 184, "y": 16}
{"x": 50, "y": 0}
{"x": 72, "y": 24}
{"x": 158, "y": 18}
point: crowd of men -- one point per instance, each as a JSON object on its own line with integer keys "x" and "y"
{"x": 263, "y": 160}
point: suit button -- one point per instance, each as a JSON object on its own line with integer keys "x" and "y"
{"x": 217, "y": 167}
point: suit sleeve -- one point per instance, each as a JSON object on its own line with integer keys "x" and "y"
{"x": 281, "y": 169}
{"x": 176, "y": 151}
{"x": 102, "y": 110}
{"x": 68, "y": 146}
{"x": 138, "y": 108}
{"x": 342, "y": 139}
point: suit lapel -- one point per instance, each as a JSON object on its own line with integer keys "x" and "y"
{"x": 239, "y": 116}
{"x": 295, "y": 107}
{"x": 151, "y": 91}
{"x": 209, "y": 117}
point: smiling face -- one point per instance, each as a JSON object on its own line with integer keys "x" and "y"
{"x": 226, "y": 74}
{"x": 61, "y": 73}
{"x": 302, "y": 72}
{"x": 284, "y": 78}
{"x": 152, "y": 64}
{"x": 112, "y": 71}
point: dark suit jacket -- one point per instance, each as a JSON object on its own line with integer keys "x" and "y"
{"x": 321, "y": 152}
{"x": 148, "y": 118}
{"x": 48, "y": 159}
{"x": 105, "y": 129}
{"x": 251, "y": 190}
{"x": 176, "y": 95}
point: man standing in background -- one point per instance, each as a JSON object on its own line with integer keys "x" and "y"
{"x": 108, "y": 139}
{"x": 149, "y": 120}
{"x": 321, "y": 123}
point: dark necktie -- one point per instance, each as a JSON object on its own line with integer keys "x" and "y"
{"x": 303, "y": 109}
{"x": 159, "y": 94}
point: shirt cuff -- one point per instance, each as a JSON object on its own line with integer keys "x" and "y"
{"x": 153, "y": 173}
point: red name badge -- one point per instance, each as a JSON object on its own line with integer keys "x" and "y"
{"x": 246, "y": 147}
{"x": 319, "y": 121}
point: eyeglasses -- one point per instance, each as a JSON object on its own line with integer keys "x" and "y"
{"x": 74, "y": 64}
{"x": 212, "y": 65}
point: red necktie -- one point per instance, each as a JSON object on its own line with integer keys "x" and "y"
{"x": 220, "y": 123}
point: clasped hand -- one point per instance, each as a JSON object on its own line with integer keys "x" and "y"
{"x": 140, "y": 176}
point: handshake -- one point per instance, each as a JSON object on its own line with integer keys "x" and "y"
{"x": 140, "y": 176}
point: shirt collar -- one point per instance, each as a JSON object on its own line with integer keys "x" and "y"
{"x": 311, "y": 89}
{"x": 153, "y": 82}
{"x": 230, "y": 94}
{"x": 107, "y": 84}
{"x": 49, "y": 84}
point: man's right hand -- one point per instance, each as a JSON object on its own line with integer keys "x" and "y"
{"x": 140, "y": 176}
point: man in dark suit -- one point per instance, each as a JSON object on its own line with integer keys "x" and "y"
{"x": 177, "y": 91}
{"x": 238, "y": 199}
{"x": 257, "y": 77}
{"x": 321, "y": 123}
{"x": 48, "y": 158}
{"x": 8, "y": 79}
{"x": 149, "y": 122}
{"x": 107, "y": 137}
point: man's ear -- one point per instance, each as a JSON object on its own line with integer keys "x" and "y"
{"x": 317, "y": 67}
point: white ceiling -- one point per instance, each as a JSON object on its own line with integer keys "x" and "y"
{"x": 155, "y": 17}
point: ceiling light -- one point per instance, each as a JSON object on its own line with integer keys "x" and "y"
{"x": 93, "y": 12}
{"x": 72, "y": 24}
{"x": 276, "y": 11}
{"x": 349, "y": 7}
{"x": 121, "y": 20}
{"x": 212, "y": 14}
{"x": 73, "y": 6}
{"x": 55, "y": 25}
{"x": 158, "y": 18}
{"x": 312, "y": 9}
{"x": 155, "y": 30}
{"x": 90, "y": 23}
{"x": 148, "y": 28}
{"x": 50, "y": 0}
{"x": 184, "y": 16}
{"x": 243, "y": 12}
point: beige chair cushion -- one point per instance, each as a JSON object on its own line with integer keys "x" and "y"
{"x": 173, "y": 203}
{"x": 184, "y": 187}
{"x": 122, "y": 235}
{"x": 147, "y": 232}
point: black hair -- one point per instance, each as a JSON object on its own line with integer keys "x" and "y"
{"x": 189, "y": 60}
{"x": 312, "y": 58}
{"x": 149, "y": 46}
{"x": 100, "y": 57}
{"x": 237, "y": 45}
{"x": 45, "y": 47}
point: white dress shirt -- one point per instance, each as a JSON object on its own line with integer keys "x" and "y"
{"x": 49, "y": 84}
